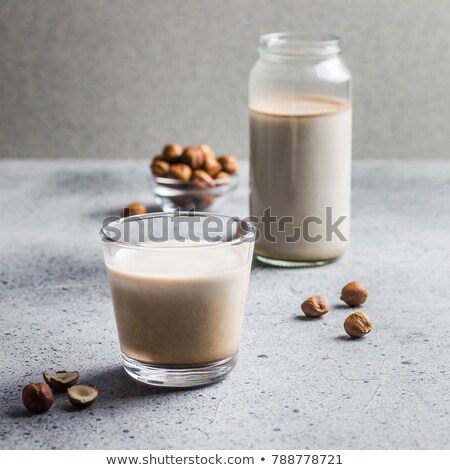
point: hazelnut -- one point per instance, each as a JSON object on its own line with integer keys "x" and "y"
{"x": 222, "y": 174}
{"x": 354, "y": 294}
{"x": 193, "y": 156}
{"x": 315, "y": 306}
{"x": 82, "y": 395}
{"x": 208, "y": 152}
{"x": 159, "y": 167}
{"x": 37, "y": 397}
{"x": 202, "y": 203}
{"x": 357, "y": 324}
{"x": 229, "y": 163}
{"x": 212, "y": 167}
{"x": 203, "y": 179}
{"x": 172, "y": 153}
{"x": 180, "y": 171}
{"x": 135, "y": 208}
{"x": 183, "y": 203}
{"x": 60, "y": 381}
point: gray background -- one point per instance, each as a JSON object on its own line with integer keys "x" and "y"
{"x": 117, "y": 79}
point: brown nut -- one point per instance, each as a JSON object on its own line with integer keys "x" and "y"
{"x": 172, "y": 153}
{"x": 208, "y": 152}
{"x": 60, "y": 381}
{"x": 202, "y": 179}
{"x": 37, "y": 397}
{"x": 180, "y": 171}
{"x": 183, "y": 203}
{"x": 221, "y": 175}
{"x": 193, "y": 156}
{"x": 212, "y": 167}
{"x": 229, "y": 163}
{"x": 357, "y": 324}
{"x": 135, "y": 208}
{"x": 159, "y": 167}
{"x": 204, "y": 202}
{"x": 315, "y": 306}
{"x": 82, "y": 395}
{"x": 354, "y": 294}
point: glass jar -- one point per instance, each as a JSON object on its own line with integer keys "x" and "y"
{"x": 300, "y": 149}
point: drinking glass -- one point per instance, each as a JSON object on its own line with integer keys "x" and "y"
{"x": 178, "y": 283}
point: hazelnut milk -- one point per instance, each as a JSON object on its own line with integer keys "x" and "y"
{"x": 179, "y": 310}
{"x": 300, "y": 165}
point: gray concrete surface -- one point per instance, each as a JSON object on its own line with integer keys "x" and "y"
{"x": 298, "y": 384}
{"x": 119, "y": 78}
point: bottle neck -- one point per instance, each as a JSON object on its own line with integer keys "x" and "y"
{"x": 298, "y": 46}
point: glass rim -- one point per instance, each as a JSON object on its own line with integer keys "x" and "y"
{"x": 248, "y": 236}
{"x": 278, "y": 43}
{"x": 163, "y": 180}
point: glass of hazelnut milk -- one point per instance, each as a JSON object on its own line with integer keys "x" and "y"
{"x": 178, "y": 283}
{"x": 300, "y": 149}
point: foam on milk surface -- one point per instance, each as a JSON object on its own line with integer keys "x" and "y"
{"x": 176, "y": 259}
{"x": 301, "y": 106}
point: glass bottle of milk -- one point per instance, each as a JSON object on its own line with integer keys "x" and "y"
{"x": 300, "y": 149}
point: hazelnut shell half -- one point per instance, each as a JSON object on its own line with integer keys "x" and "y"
{"x": 60, "y": 381}
{"x": 82, "y": 395}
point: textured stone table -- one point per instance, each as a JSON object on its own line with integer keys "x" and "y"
{"x": 298, "y": 383}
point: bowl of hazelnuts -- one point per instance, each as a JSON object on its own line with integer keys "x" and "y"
{"x": 192, "y": 178}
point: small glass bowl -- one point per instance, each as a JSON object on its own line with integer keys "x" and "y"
{"x": 174, "y": 194}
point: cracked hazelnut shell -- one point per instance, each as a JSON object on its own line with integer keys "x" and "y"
{"x": 82, "y": 396}
{"x": 60, "y": 381}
